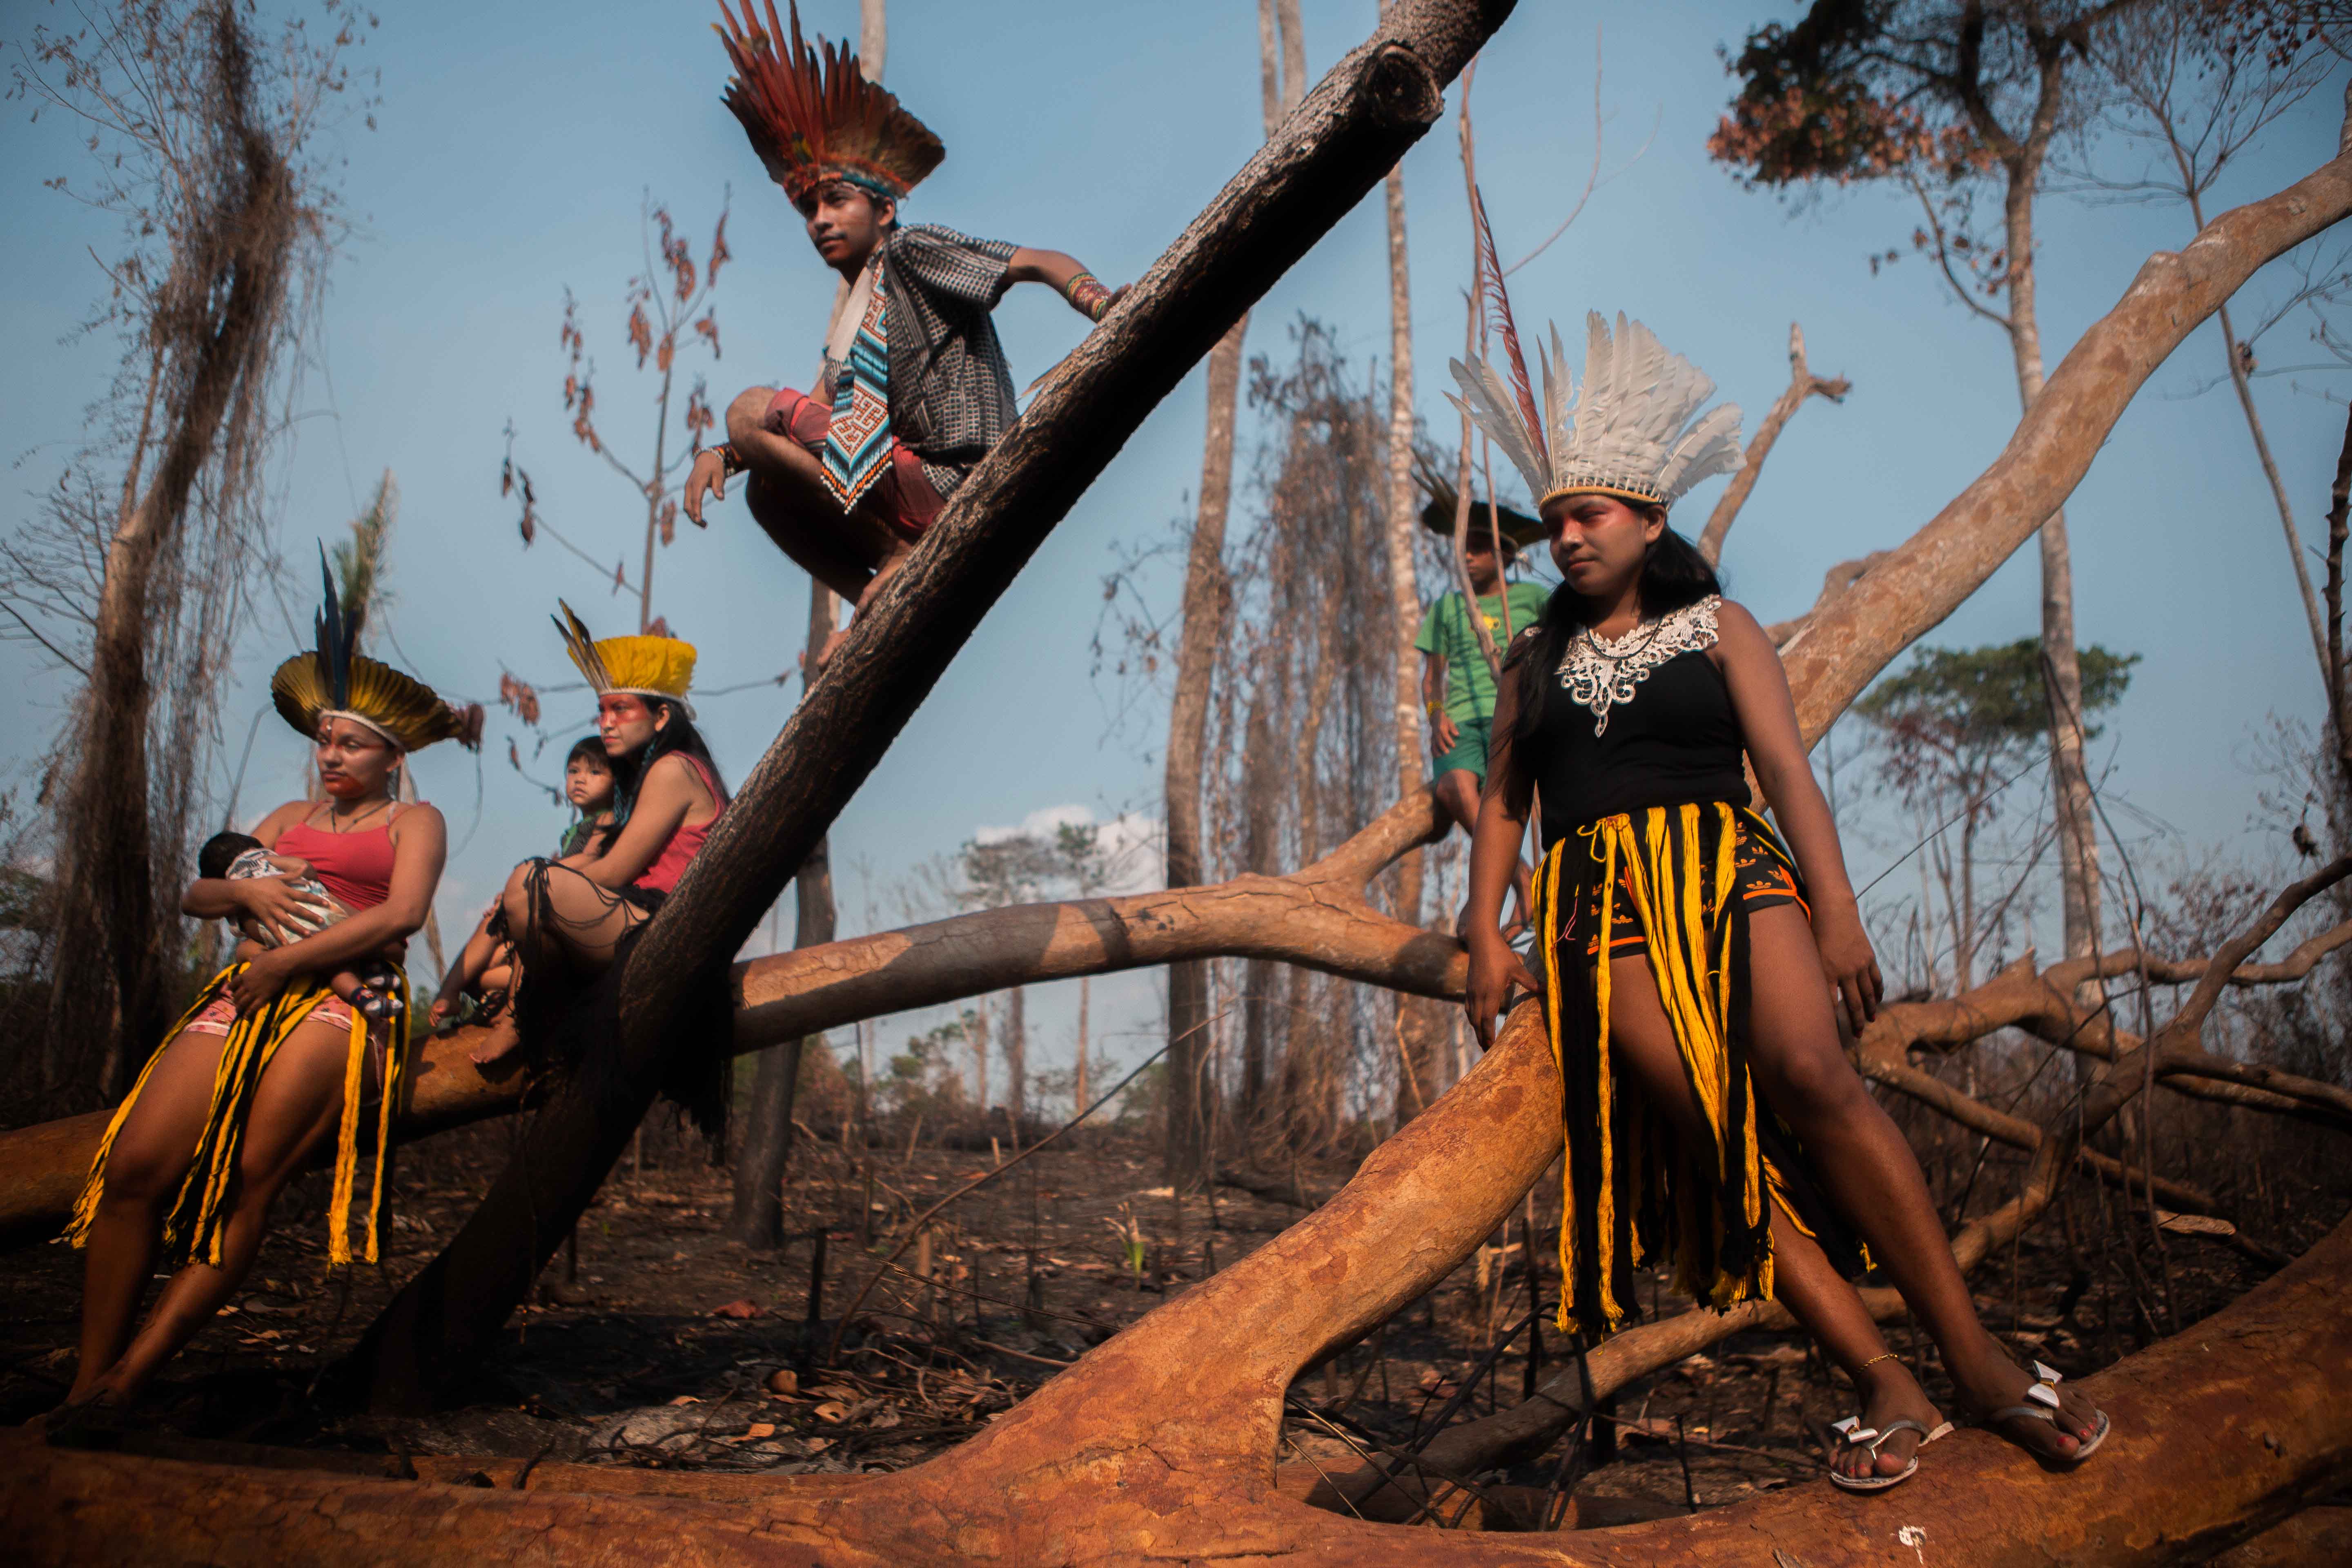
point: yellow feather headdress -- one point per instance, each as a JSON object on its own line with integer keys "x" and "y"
{"x": 640, "y": 666}
{"x": 332, "y": 681}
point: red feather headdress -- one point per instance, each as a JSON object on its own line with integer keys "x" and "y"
{"x": 812, "y": 116}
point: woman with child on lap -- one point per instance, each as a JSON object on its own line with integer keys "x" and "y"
{"x": 295, "y": 1042}
{"x": 570, "y": 918}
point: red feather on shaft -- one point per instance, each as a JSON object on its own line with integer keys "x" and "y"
{"x": 1497, "y": 302}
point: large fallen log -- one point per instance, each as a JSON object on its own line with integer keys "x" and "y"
{"x": 1159, "y": 1444}
{"x": 1528, "y": 1428}
{"x": 1318, "y": 917}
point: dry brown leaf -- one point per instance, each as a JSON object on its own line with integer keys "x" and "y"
{"x": 741, "y": 1307}
{"x": 832, "y": 1411}
{"x": 785, "y": 1382}
{"x": 758, "y": 1430}
{"x": 686, "y": 1399}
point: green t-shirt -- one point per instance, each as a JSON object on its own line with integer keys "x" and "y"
{"x": 1446, "y": 632}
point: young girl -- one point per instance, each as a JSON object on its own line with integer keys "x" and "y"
{"x": 1689, "y": 958}
{"x": 477, "y": 988}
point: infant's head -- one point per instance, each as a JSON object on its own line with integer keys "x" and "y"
{"x": 222, "y": 851}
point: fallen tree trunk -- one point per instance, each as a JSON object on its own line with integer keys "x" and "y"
{"x": 2220, "y": 1431}
{"x": 1531, "y": 1426}
{"x": 1316, "y": 918}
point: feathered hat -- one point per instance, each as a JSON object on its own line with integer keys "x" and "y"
{"x": 333, "y": 682}
{"x": 1518, "y": 530}
{"x": 642, "y": 667}
{"x": 812, "y": 116}
{"x": 1632, "y": 430}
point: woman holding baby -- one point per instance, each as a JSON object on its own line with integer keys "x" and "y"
{"x": 280, "y": 1054}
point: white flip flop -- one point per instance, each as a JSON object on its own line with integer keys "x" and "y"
{"x": 2044, "y": 1407}
{"x": 1854, "y": 1435}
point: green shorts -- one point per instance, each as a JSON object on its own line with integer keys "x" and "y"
{"x": 1469, "y": 752}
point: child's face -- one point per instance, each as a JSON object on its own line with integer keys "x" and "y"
{"x": 587, "y": 784}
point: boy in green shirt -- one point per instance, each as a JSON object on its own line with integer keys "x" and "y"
{"x": 1456, "y": 686}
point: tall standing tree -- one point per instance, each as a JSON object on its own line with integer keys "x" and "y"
{"x": 1963, "y": 101}
{"x": 1207, "y": 596}
{"x": 1419, "y": 1027}
{"x": 1014, "y": 870}
{"x": 764, "y": 1150}
{"x": 205, "y": 145}
{"x": 1079, "y": 848}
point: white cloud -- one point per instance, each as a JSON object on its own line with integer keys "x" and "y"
{"x": 1132, "y": 844}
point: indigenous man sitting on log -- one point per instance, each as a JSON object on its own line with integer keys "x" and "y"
{"x": 1690, "y": 957}
{"x": 913, "y": 389}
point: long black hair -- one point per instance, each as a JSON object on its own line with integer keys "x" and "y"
{"x": 1673, "y": 574}
{"x": 678, "y": 735}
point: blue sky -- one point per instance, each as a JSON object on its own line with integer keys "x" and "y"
{"x": 515, "y": 145}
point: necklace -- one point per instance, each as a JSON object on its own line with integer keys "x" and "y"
{"x": 337, "y": 822}
{"x": 1601, "y": 673}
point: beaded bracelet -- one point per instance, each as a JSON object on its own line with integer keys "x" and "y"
{"x": 1088, "y": 296}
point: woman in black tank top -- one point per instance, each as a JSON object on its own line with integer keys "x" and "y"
{"x": 1691, "y": 963}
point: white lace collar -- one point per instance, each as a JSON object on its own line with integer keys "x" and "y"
{"x": 1601, "y": 672}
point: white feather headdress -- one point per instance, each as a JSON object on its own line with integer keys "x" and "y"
{"x": 1632, "y": 430}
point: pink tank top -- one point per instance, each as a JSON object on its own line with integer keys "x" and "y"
{"x": 668, "y": 865}
{"x": 355, "y": 867}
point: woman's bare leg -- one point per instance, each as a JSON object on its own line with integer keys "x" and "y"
{"x": 1867, "y": 1169}
{"x": 587, "y": 925}
{"x": 143, "y": 1171}
{"x": 1824, "y": 1303}
{"x": 293, "y": 1112}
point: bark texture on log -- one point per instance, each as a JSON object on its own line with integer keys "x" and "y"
{"x": 2220, "y": 1433}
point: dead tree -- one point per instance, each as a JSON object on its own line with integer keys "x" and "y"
{"x": 200, "y": 135}
{"x": 1156, "y": 1445}
{"x": 1802, "y": 384}
{"x": 1207, "y": 599}
{"x": 1375, "y": 103}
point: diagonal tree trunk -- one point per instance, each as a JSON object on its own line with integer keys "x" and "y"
{"x": 1378, "y": 100}
{"x": 214, "y": 329}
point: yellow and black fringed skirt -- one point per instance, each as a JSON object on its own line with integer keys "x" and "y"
{"x": 192, "y": 1228}
{"x": 1675, "y": 885}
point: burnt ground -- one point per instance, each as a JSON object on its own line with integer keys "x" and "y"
{"x": 668, "y": 1347}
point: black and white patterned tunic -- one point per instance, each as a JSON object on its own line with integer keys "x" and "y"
{"x": 950, "y": 390}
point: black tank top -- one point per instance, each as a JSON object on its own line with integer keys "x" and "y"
{"x": 1651, "y": 725}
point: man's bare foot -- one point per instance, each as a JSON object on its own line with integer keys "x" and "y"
{"x": 824, "y": 654}
{"x": 1889, "y": 1394}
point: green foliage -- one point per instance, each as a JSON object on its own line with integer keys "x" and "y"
{"x": 1992, "y": 696}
